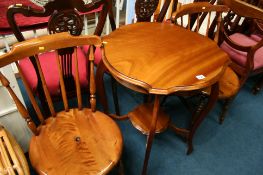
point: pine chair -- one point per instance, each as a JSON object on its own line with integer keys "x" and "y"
{"x": 12, "y": 158}
{"x": 76, "y": 140}
{"x": 63, "y": 16}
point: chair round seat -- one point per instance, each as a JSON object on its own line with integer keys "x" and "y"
{"x": 76, "y": 142}
{"x": 228, "y": 84}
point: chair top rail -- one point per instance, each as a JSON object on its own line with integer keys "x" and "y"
{"x": 46, "y": 43}
{"x": 244, "y": 9}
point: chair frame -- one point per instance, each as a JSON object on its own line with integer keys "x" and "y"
{"x": 47, "y": 129}
{"x": 58, "y": 10}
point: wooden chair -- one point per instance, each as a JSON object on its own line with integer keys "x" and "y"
{"x": 236, "y": 75}
{"x": 245, "y": 52}
{"x": 12, "y": 158}
{"x": 183, "y": 17}
{"x": 64, "y": 16}
{"x": 257, "y": 36}
{"x": 76, "y": 140}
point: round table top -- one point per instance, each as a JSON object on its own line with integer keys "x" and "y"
{"x": 162, "y": 58}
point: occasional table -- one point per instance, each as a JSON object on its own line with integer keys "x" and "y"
{"x": 161, "y": 59}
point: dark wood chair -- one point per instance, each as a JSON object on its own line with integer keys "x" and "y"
{"x": 76, "y": 140}
{"x": 235, "y": 75}
{"x": 209, "y": 27}
{"x": 244, "y": 50}
{"x": 63, "y": 16}
{"x": 257, "y": 36}
{"x": 144, "y": 10}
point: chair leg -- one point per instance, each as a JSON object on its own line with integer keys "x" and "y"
{"x": 258, "y": 86}
{"x": 224, "y": 110}
{"x": 101, "y": 69}
{"x": 115, "y": 96}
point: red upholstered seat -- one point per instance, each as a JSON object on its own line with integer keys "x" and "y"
{"x": 240, "y": 57}
{"x": 97, "y": 55}
{"x": 25, "y": 23}
{"x": 256, "y": 37}
{"x": 50, "y": 71}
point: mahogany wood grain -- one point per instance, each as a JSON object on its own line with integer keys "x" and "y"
{"x": 163, "y": 58}
{"x": 141, "y": 118}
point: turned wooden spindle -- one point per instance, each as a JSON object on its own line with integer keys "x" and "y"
{"x": 92, "y": 80}
{"x": 20, "y": 106}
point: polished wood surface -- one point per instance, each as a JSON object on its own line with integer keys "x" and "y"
{"x": 76, "y": 143}
{"x": 141, "y": 118}
{"x": 163, "y": 58}
{"x": 75, "y": 140}
{"x": 160, "y": 59}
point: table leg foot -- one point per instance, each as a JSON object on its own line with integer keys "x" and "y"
{"x": 201, "y": 115}
{"x": 190, "y": 149}
{"x": 150, "y": 137}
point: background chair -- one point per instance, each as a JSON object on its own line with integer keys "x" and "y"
{"x": 235, "y": 76}
{"x": 63, "y": 16}
{"x": 76, "y": 140}
{"x": 209, "y": 27}
{"x": 245, "y": 52}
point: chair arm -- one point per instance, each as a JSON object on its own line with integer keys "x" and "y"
{"x": 235, "y": 45}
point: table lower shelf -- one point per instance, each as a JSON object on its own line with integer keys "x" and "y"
{"x": 141, "y": 118}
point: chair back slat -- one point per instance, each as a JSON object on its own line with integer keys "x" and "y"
{"x": 199, "y": 10}
{"x": 219, "y": 19}
{"x": 20, "y": 107}
{"x": 188, "y": 22}
{"x": 63, "y": 17}
{"x": 92, "y": 80}
{"x": 208, "y": 24}
{"x": 45, "y": 44}
{"x": 197, "y": 22}
{"x": 44, "y": 85}
{"x": 30, "y": 95}
{"x": 62, "y": 83}
{"x": 77, "y": 81}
